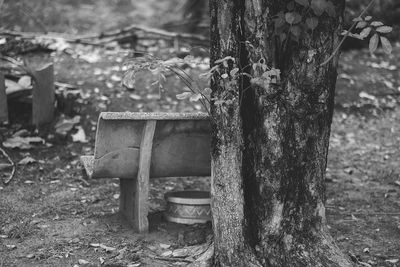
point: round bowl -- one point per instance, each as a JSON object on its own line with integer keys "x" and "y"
{"x": 188, "y": 207}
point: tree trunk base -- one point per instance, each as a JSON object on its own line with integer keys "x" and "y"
{"x": 318, "y": 251}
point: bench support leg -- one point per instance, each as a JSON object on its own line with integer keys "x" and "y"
{"x": 43, "y": 96}
{"x": 127, "y": 199}
{"x": 135, "y": 192}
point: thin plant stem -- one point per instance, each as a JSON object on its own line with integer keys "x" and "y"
{"x": 346, "y": 35}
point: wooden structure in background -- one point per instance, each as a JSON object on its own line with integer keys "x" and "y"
{"x": 138, "y": 146}
{"x": 3, "y": 100}
{"x": 43, "y": 95}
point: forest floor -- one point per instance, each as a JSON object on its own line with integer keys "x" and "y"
{"x": 51, "y": 216}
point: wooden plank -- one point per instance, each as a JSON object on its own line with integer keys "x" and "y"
{"x": 3, "y": 100}
{"x": 43, "y": 95}
{"x": 140, "y": 208}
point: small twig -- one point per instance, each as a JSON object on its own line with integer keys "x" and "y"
{"x": 387, "y": 94}
{"x": 86, "y": 183}
{"x": 158, "y": 32}
{"x": 346, "y": 35}
{"x": 8, "y": 180}
{"x": 188, "y": 84}
{"x": 104, "y": 35}
{"x": 65, "y": 85}
{"x": 173, "y": 259}
{"x": 374, "y": 214}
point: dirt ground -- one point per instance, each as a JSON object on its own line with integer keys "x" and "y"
{"x": 50, "y": 215}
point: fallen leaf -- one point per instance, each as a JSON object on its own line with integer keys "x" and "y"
{"x": 115, "y": 78}
{"x": 25, "y": 81}
{"x": 97, "y": 71}
{"x": 135, "y": 97}
{"x": 22, "y": 142}
{"x": 104, "y": 98}
{"x": 109, "y": 85}
{"x": 164, "y": 246}
{"x": 26, "y": 160}
{"x": 364, "y": 264}
{"x": 392, "y": 260}
{"x": 179, "y": 253}
{"x": 354, "y": 218}
{"x": 121, "y": 253}
{"x": 79, "y": 136}
{"x": 22, "y": 133}
{"x": 90, "y": 57}
{"x": 106, "y": 248}
{"x": 153, "y": 96}
{"x": 13, "y": 87}
{"x": 166, "y": 253}
{"x": 184, "y": 95}
{"x": 382, "y": 65}
{"x": 83, "y": 262}
{"x": 367, "y": 96}
{"x": 58, "y": 44}
{"x": 64, "y": 125}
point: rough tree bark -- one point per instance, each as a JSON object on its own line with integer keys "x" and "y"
{"x": 270, "y": 144}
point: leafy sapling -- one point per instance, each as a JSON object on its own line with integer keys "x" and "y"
{"x": 300, "y": 19}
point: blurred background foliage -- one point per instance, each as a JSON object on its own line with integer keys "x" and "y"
{"x": 173, "y": 15}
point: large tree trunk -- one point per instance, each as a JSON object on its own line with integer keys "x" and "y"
{"x": 270, "y": 143}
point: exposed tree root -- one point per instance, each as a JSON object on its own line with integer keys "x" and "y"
{"x": 314, "y": 251}
{"x": 318, "y": 251}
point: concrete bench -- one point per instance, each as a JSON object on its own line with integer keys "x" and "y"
{"x": 137, "y": 146}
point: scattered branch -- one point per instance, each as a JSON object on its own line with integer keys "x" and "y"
{"x": 153, "y": 31}
{"x": 172, "y": 259}
{"x": 110, "y": 36}
{"x": 8, "y": 180}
